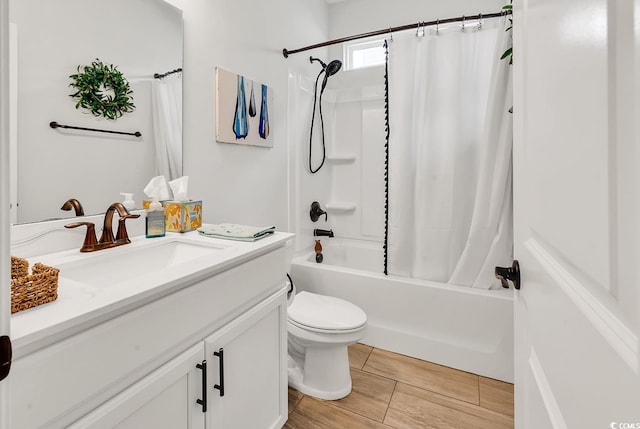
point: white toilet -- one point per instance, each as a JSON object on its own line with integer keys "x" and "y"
{"x": 319, "y": 330}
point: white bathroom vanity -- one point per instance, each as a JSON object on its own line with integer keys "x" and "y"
{"x": 178, "y": 332}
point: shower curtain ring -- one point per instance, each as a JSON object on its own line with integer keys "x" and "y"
{"x": 480, "y": 21}
{"x": 390, "y": 35}
{"x": 438, "y": 26}
{"x": 463, "y": 19}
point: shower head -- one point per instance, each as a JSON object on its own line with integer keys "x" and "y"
{"x": 329, "y": 70}
{"x": 333, "y": 67}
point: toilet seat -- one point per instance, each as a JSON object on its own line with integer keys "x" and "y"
{"x": 322, "y": 313}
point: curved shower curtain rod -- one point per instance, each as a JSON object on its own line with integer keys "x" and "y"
{"x": 287, "y": 52}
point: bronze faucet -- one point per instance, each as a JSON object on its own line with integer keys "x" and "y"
{"x": 72, "y": 203}
{"x": 107, "y": 228}
{"x": 107, "y": 240}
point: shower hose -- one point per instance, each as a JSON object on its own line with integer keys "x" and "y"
{"x": 313, "y": 116}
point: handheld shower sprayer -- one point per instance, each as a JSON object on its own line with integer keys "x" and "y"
{"x": 333, "y": 68}
{"x": 329, "y": 70}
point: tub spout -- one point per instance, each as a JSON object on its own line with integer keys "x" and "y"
{"x": 323, "y": 233}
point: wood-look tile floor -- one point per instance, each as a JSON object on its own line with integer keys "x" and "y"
{"x": 399, "y": 392}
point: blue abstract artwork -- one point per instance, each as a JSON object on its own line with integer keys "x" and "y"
{"x": 237, "y": 117}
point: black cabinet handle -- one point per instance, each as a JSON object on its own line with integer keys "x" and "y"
{"x": 220, "y": 387}
{"x": 203, "y": 401}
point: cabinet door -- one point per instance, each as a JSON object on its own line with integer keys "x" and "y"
{"x": 247, "y": 367}
{"x": 165, "y": 399}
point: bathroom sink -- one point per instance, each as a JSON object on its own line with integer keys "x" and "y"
{"x": 114, "y": 266}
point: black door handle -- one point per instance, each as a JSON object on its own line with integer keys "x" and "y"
{"x": 511, "y": 273}
{"x": 5, "y": 356}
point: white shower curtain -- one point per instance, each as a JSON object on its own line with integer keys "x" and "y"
{"x": 450, "y": 216}
{"x": 167, "y": 125}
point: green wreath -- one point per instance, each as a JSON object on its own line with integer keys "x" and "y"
{"x": 102, "y": 89}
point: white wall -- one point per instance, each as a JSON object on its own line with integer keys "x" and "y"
{"x": 243, "y": 184}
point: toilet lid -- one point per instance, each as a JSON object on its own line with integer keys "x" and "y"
{"x": 325, "y": 312}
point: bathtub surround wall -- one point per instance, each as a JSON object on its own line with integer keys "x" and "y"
{"x": 356, "y": 154}
{"x": 349, "y": 185}
{"x": 304, "y": 186}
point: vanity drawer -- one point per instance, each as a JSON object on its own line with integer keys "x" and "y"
{"x": 55, "y": 385}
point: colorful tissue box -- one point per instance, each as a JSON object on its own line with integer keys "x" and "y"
{"x": 182, "y": 216}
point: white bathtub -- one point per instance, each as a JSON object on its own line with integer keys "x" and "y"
{"x": 456, "y": 326}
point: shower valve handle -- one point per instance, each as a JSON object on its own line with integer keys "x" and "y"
{"x": 511, "y": 273}
{"x": 316, "y": 211}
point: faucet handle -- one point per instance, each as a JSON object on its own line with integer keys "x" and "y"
{"x": 121, "y": 235}
{"x": 90, "y": 241}
{"x": 316, "y": 211}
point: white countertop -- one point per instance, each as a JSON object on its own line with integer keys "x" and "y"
{"x": 80, "y": 306}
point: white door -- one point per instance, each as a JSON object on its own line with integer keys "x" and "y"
{"x": 5, "y": 299}
{"x": 577, "y": 213}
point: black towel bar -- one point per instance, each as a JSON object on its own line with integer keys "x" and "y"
{"x": 54, "y": 124}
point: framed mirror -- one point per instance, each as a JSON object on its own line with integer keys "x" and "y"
{"x": 49, "y": 40}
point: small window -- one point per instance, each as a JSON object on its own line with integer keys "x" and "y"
{"x": 360, "y": 55}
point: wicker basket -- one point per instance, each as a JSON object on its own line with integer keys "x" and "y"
{"x": 31, "y": 290}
